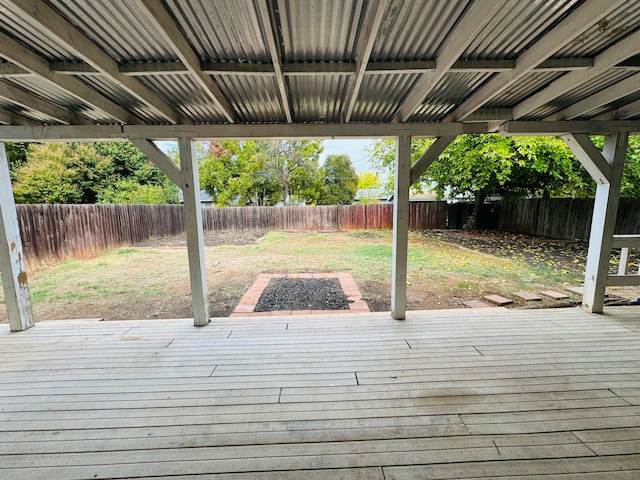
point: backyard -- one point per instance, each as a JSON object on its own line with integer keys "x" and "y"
{"x": 151, "y": 279}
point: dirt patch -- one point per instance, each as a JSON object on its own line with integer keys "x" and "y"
{"x": 211, "y": 239}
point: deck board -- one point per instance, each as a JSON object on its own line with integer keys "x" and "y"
{"x": 444, "y": 394}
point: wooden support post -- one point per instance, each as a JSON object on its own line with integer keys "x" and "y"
{"x": 400, "y": 227}
{"x": 12, "y": 266}
{"x": 605, "y": 210}
{"x": 193, "y": 227}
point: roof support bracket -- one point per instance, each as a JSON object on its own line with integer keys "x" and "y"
{"x": 160, "y": 159}
{"x": 428, "y": 157}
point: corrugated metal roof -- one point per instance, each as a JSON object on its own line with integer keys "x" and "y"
{"x": 306, "y": 32}
{"x": 415, "y": 30}
{"x": 213, "y": 37}
{"x": 119, "y": 27}
{"x": 317, "y": 98}
{"x": 605, "y": 32}
{"x": 189, "y": 99}
{"x": 318, "y": 30}
{"x": 522, "y": 89}
{"x": 25, "y": 32}
{"x": 371, "y": 106}
{"x": 256, "y": 99}
{"x": 452, "y": 90}
{"x": 522, "y": 23}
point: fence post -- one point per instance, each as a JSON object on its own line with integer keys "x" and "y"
{"x": 12, "y": 265}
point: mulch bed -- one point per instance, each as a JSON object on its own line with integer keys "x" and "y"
{"x": 302, "y": 294}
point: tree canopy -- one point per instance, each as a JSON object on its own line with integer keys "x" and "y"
{"x": 103, "y": 172}
{"x": 274, "y": 172}
{"x": 475, "y": 166}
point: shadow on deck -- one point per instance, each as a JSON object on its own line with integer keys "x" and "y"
{"x": 443, "y": 394}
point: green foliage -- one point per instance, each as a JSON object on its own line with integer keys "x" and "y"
{"x": 340, "y": 181}
{"x": 261, "y": 172}
{"x": 61, "y": 173}
{"x": 128, "y": 190}
{"x": 368, "y": 180}
{"x": 17, "y": 154}
{"x": 103, "y": 172}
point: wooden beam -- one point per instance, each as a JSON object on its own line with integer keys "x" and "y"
{"x": 576, "y": 23}
{"x": 621, "y": 50}
{"x": 25, "y": 58}
{"x": 172, "y": 37}
{"x": 400, "y": 227}
{"x": 274, "y": 52}
{"x": 626, "y": 87}
{"x": 28, "y": 101}
{"x": 524, "y": 128}
{"x": 257, "y": 131}
{"x": 160, "y": 159}
{"x": 193, "y": 228}
{"x": 589, "y": 156}
{"x": 428, "y": 157}
{"x": 11, "y": 70}
{"x": 476, "y": 18}
{"x": 628, "y": 111}
{"x": 56, "y": 26}
{"x": 603, "y": 223}
{"x": 12, "y": 264}
{"x": 238, "y": 68}
{"x": 490, "y": 115}
{"x": 366, "y": 38}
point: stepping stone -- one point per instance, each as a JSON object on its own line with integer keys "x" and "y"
{"x": 528, "y": 296}
{"x": 553, "y": 294}
{"x": 498, "y": 300}
{"x": 476, "y": 304}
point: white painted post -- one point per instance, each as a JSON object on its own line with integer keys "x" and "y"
{"x": 605, "y": 210}
{"x": 400, "y": 227}
{"x": 14, "y": 275}
{"x": 193, "y": 227}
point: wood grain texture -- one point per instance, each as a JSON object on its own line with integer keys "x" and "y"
{"x": 445, "y": 394}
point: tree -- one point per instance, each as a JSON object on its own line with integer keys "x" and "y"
{"x": 62, "y": 173}
{"x": 368, "y": 180}
{"x": 261, "y": 172}
{"x": 103, "y": 172}
{"x": 17, "y": 155}
{"x": 340, "y": 181}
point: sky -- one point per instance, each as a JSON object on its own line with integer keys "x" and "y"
{"x": 353, "y": 148}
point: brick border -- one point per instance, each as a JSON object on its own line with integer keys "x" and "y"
{"x": 250, "y": 299}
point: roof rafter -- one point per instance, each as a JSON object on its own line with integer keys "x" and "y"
{"x": 48, "y": 20}
{"x": 274, "y": 52}
{"x": 27, "y": 100}
{"x": 28, "y": 60}
{"x": 173, "y": 37}
{"x": 475, "y": 19}
{"x": 628, "y": 111}
{"x": 10, "y": 118}
{"x": 607, "y": 95}
{"x": 366, "y": 38}
{"x": 585, "y": 16}
{"x": 622, "y": 50}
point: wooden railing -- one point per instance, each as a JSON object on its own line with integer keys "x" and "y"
{"x": 624, "y": 277}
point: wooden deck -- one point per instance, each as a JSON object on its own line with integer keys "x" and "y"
{"x": 551, "y": 394}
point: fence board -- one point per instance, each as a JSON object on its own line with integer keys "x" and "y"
{"x": 562, "y": 218}
{"x": 57, "y": 232}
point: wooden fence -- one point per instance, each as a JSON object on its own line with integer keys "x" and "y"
{"x": 562, "y": 218}
{"x": 57, "y": 232}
